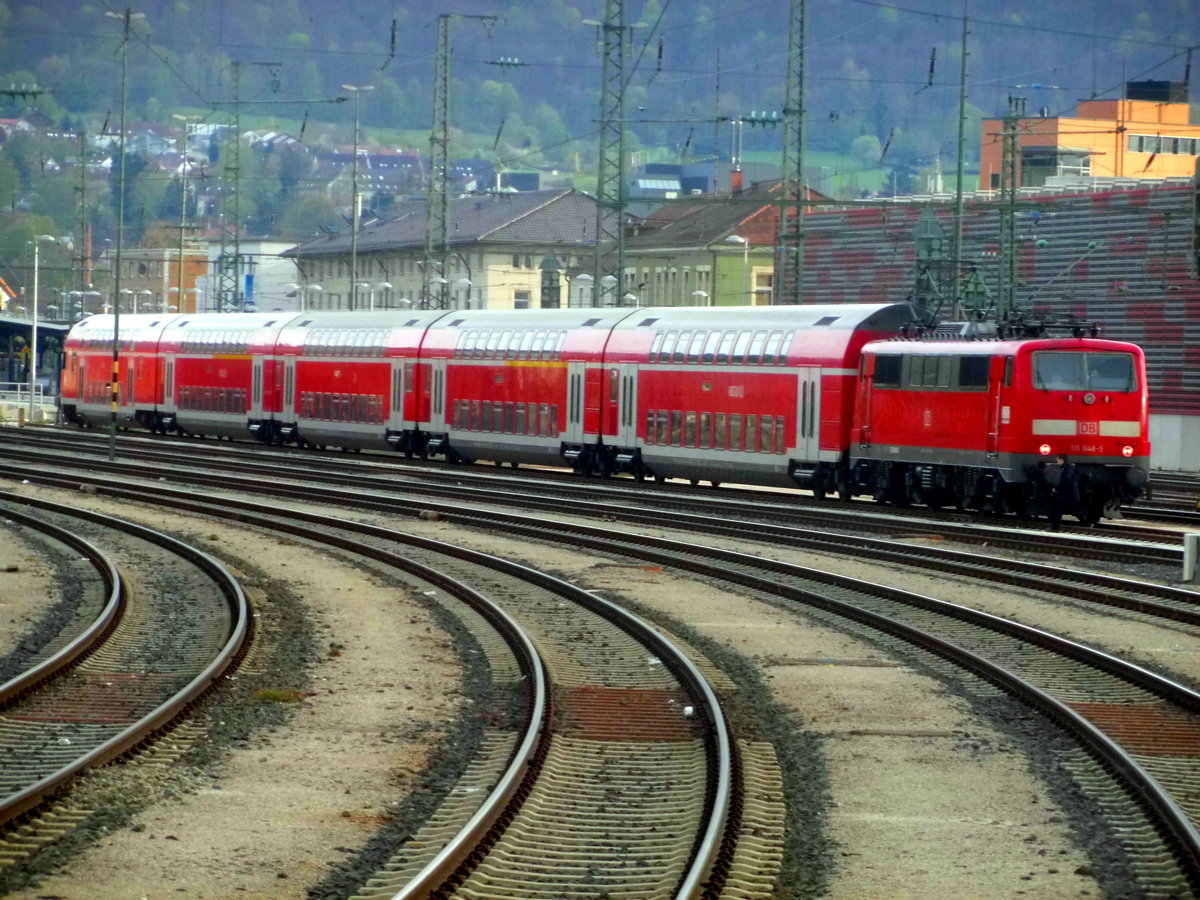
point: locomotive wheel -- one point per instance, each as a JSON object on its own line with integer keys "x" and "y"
{"x": 660, "y": 479}
{"x": 714, "y": 484}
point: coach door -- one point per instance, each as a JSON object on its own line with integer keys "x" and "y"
{"x": 626, "y": 404}
{"x": 289, "y": 390}
{"x": 395, "y": 421}
{"x": 576, "y": 388}
{"x": 437, "y": 395}
{"x": 808, "y": 413}
{"x": 256, "y": 389}
{"x": 168, "y": 391}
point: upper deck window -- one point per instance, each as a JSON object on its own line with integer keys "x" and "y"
{"x": 1069, "y": 370}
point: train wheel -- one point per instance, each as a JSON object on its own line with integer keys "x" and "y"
{"x": 660, "y": 479}
{"x": 714, "y": 484}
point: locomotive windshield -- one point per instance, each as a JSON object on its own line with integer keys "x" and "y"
{"x": 1057, "y": 370}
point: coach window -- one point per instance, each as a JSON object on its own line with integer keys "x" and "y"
{"x": 664, "y": 427}
{"x": 554, "y": 420}
{"x": 689, "y": 430}
{"x": 675, "y": 436}
{"x": 539, "y": 339}
{"x": 973, "y": 372}
{"x": 679, "y": 353}
{"x": 887, "y": 371}
{"x": 474, "y": 422}
{"x": 656, "y": 345}
{"x": 710, "y": 347}
{"x": 668, "y": 344}
{"x": 751, "y": 434}
{"x": 754, "y": 356}
{"x": 510, "y": 415}
{"x": 772, "y": 348}
{"x": 766, "y": 435}
{"x": 705, "y": 431}
{"x": 695, "y": 347}
{"x": 719, "y": 432}
{"x": 738, "y": 356}
{"x": 460, "y": 345}
{"x": 514, "y": 341}
{"x": 784, "y": 347}
{"x": 781, "y": 435}
{"x": 493, "y": 339}
{"x": 726, "y": 346}
{"x": 650, "y": 416}
{"x": 735, "y": 432}
{"x": 526, "y": 343}
{"x": 558, "y": 344}
{"x": 502, "y": 347}
{"x": 519, "y": 421}
{"x": 531, "y": 419}
{"x": 1008, "y": 371}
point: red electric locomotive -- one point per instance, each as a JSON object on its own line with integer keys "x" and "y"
{"x": 980, "y": 423}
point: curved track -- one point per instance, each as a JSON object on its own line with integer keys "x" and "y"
{"x": 127, "y": 678}
{"x": 1103, "y": 701}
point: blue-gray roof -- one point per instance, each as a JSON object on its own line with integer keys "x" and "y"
{"x": 565, "y": 217}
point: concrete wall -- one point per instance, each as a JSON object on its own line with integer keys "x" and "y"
{"x": 1175, "y": 443}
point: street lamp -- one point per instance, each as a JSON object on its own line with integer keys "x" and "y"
{"x": 145, "y": 305}
{"x": 607, "y": 284}
{"x": 701, "y": 297}
{"x": 738, "y": 239}
{"x": 586, "y": 284}
{"x": 354, "y": 207}
{"x": 384, "y": 287}
{"x": 465, "y": 283}
{"x": 33, "y": 332}
{"x": 126, "y": 20}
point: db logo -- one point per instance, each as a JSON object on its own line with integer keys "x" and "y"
{"x": 1089, "y": 427}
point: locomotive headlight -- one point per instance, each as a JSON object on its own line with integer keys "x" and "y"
{"x": 1044, "y": 449}
{"x": 1127, "y": 450}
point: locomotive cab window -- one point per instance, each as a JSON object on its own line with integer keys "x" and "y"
{"x": 1057, "y": 370}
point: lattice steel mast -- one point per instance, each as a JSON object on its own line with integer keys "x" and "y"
{"x": 789, "y": 254}
{"x": 437, "y": 192}
{"x": 609, "y": 264}
{"x": 1009, "y": 175}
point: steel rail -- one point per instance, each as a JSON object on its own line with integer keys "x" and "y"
{"x": 1136, "y": 543}
{"x": 710, "y": 847}
{"x": 1182, "y": 832}
{"x": 79, "y": 647}
{"x": 1105, "y": 589}
{"x": 131, "y": 737}
{"x": 1037, "y": 542}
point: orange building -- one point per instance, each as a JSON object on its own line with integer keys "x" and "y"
{"x": 1146, "y": 135}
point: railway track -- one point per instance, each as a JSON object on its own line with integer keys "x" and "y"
{"x": 1140, "y": 775}
{"x": 117, "y": 683}
{"x": 613, "y": 750}
{"x": 1130, "y": 545}
{"x": 1142, "y": 597}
